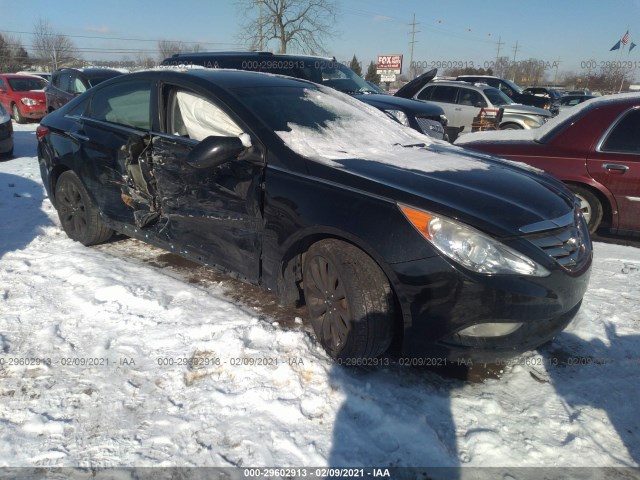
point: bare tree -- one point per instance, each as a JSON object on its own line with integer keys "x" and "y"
{"x": 301, "y": 24}
{"x": 13, "y": 56}
{"x": 168, "y": 48}
{"x": 54, "y": 48}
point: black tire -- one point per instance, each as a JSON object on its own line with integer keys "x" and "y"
{"x": 349, "y": 301}
{"x": 510, "y": 126}
{"x": 7, "y": 155}
{"x": 590, "y": 205}
{"x": 80, "y": 219}
{"x": 17, "y": 116}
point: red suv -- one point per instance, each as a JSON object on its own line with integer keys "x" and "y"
{"x": 23, "y": 96}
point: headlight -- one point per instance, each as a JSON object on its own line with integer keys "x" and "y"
{"x": 398, "y": 115}
{"x": 28, "y": 101}
{"x": 470, "y": 247}
{"x": 444, "y": 120}
{"x": 533, "y": 123}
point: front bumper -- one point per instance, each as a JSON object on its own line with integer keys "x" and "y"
{"x": 34, "y": 112}
{"x": 439, "y": 301}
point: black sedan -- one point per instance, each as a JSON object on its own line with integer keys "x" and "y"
{"x": 6, "y": 133}
{"x": 390, "y": 240}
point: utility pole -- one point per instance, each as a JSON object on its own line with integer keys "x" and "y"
{"x": 500, "y": 43}
{"x": 260, "y": 46}
{"x": 412, "y": 42}
{"x": 555, "y": 77}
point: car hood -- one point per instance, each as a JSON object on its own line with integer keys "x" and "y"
{"x": 389, "y": 102}
{"x": 414, "y": 86}
{"x": 491, "y": 194}
{"x": 526, "y": 109}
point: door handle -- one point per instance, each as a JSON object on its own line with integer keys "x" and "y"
{"x": 78, "y": 136}
{"x": 458, "y": 109}
{"x": 615, "y": 166}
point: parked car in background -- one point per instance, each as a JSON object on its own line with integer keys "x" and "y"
{"x": 390, "y": 238}
{"x": 425, "y": 118}
{"x": 463, "y": 102}
{"x": 6, "y": 133}
{"x": 579, "y": 92}
{"x": 22, "y": 96}
{"x": 44, "y": 75}
{"x": 550, "y": 93}
{"x": 594, "y": 148}
{"x": 69, "y": 82}
{"x": 568, "y": 101}
{"x": 510, "y": 89}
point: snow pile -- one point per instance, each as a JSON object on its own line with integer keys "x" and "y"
{"x": 152, "y": 370}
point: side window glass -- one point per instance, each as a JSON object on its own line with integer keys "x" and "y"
{"x": 425, "y": 93}
{"x": 2, "y": 84}
{"x": 196, "y": 117}
{"x": 77, "y": 86}
{"x": 124, "y": 103}
{"x": 471, "y": 98}
{"x": 446, "y": 94}
{"x": 63, "y": 82}
{"x": 625, "y": 136}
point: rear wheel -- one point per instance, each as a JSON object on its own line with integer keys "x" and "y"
{"x": 590, "y": 206}
{"x": 349, "y": 300}
{"x": 17, "y": 116}
{"x": 80, "y": 219}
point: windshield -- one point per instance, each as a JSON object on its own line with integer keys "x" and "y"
{"x": 26, "y": 84}
{"x": 340, "y": 77}
{"x": 496, "y": 97}
{"x": 513, "y": 86}
{"x": 336, "y": 129}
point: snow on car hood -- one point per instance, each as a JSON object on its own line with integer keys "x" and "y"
{"x": 360, "y": 131}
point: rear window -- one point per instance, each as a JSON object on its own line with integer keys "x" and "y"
{"x": 26, "y": 84}
{"x": 625, "y": 136}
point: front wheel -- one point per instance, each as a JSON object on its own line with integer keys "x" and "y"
{"x": 80, "y": 219}
{"x": 589, "y": 205}
{"x": 17, "y": 116}
{"x": 510, "y": 126}
{"x": 349, "y": 301}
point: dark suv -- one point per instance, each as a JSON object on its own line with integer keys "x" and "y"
{"x": 67, "y": 83}
{"x": 510, "y": 89}
{"x": 426, "y": 118}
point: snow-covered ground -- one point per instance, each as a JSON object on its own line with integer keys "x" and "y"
{"x": 180, "y": 374}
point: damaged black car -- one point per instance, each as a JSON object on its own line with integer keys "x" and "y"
{"x": 394, "y": 241}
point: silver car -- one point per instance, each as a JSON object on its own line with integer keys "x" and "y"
{"x": 463, "y": 102}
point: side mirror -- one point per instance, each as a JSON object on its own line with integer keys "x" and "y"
{"x": 214, "y": 151}
{"x": 480, "y": 105}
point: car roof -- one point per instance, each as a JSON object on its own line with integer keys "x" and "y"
{"x": 229, "y": 55}
{"x": 456, "y": 83}
{"x": 477, "y": 76}
{"x": 17, "y": 75}
{"x": 225, "y": 78}
{"x": 91, "y": 71}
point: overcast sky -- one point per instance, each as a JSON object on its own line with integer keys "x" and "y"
{"x": 569, "y": 31}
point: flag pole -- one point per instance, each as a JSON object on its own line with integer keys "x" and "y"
{"x": 622, "y": 69}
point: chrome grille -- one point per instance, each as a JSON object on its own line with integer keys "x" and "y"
{"x": 569, "y": 245}
{"x": 430, "y": 126}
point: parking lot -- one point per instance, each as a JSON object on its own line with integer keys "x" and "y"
{"x": 147, "y": 361}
